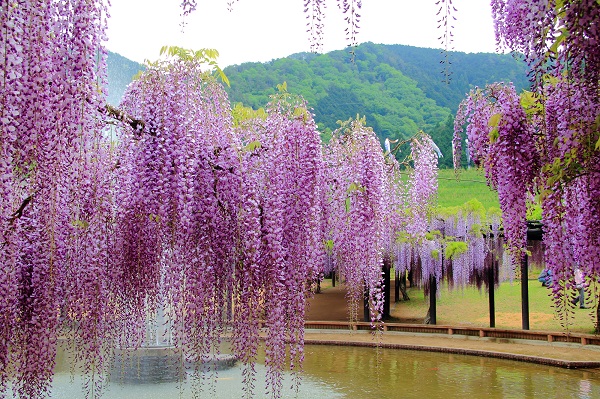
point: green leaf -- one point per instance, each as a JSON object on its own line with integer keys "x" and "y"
{"x": 348, "y": 204}
{"x": 494, "y": 120}
{"x": 559, "y": 40}
{"x": 222, "y": 75}
{"x": 527, "y": 99}
{"x": 476, "y": 229}
{"x": 82, "y": 224}
{"x": 455, "y": 248}
{"x": 252, "y": 146}
{"x": 494, "y": 135}
{"x": 282, "y": 88}
{"x": 137, "y": 75}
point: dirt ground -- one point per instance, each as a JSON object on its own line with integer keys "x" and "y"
{"x": 331, "y": 305}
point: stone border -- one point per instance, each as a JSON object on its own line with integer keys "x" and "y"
{"x": 568, "y": 364}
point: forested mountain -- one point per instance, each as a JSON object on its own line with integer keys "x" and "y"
{"x": 121, "y": 70}
{"x": 400, "y": 89}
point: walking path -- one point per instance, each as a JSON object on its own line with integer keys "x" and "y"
{"x": 330, "y": 305}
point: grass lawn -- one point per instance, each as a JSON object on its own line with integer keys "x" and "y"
{"x": 471, "y": 184}
{"x": 470, "y": 307}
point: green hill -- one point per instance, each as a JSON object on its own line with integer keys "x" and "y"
{"x": 400, "y": 89}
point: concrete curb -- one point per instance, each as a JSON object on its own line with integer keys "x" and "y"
{"x": 568, "y": 364}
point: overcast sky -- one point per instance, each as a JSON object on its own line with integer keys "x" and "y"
{"x": 262, "y": 30}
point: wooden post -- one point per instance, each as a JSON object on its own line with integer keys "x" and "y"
{"x": 397, "y": 286}
{"x": 387, "y": 268}
{"x": 524, "y": 293}
{"x": 405, "y": 296}
{"x": 491, "y": 298}
{"x": 432, "y": 300}
{"x": 333, "y": 278}
{"x": 367, "y": 313}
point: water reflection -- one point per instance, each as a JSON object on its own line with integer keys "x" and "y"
{"x": 352, "y": 372}
{"x": 360, "y": 372}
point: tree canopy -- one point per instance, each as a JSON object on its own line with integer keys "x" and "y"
{"x": 397, "y": 88}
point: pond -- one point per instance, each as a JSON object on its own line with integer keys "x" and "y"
{"x": 357, "y": 372}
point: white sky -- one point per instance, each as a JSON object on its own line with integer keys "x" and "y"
{"x": 262, "y": 30}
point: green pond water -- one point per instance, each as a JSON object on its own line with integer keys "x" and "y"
{"x": 355, "y": 372}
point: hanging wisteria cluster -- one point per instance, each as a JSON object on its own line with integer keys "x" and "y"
{"x": 281, "y": 239}
{"x": 463, "y": 245}
{"x": 570, "y": 184}
{"x": 545, "y": 141}
{"x": 221, "y": 227}
{"x": 473, "y": 245}
{"x": 356, "y": 210}
{"x": 177, "y": 196}
{"x": 410, "y": 208}
{"x": 458, "y": 244}
{"x": 422, "y": 194}
{"x": 569, "y": 38}
{"x": 218, "y": 228}
{"x": 502, "y": 142}
{"x": 54, "y": 175}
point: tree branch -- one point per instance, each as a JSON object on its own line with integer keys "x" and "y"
{"x": 19, "y": 212}
{"x": 138, "y": 125}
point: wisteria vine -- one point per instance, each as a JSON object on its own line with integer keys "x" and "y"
{"x": 547, "y": 138}
{"x": 223, "y": 226}
{"x": 357, "y": 211}
{"x": 502, "y": 142}
{"x": 219, "y": 228}
{"x": 55, "y": 173}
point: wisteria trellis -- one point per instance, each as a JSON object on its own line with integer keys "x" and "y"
{"x": 220, "y": 226}
{"x": 87, "y": 231}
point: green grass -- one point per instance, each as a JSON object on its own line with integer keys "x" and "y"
{"x": 470, "y": 307}
{"x": 471, "y": 184}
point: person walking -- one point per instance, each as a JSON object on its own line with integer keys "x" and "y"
{"x": 579, "y": 283}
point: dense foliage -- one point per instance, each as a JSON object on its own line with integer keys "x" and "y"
{"x": 398, "y": 88}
